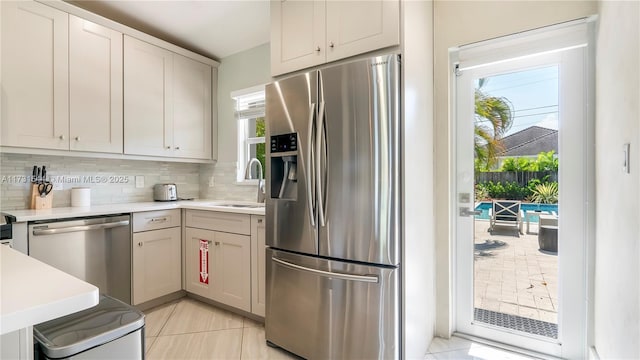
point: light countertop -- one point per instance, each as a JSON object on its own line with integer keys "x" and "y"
{"x": 70, "y": 212}
{"x": 33, "y": 292}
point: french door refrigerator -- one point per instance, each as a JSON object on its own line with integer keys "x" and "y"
{"x": 334, "y": 211}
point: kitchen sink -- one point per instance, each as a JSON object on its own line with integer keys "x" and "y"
{"x": 235, "y": 204}
{"x": 244, "y": 205}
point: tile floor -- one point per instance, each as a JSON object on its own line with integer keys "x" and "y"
{"x": 189, "y": 329}
{"x": 512, "y": 275}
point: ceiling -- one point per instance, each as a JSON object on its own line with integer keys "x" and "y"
{"x": 213, "y": 28}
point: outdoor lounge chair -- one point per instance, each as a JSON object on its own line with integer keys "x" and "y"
{"x": 505, "y": 212}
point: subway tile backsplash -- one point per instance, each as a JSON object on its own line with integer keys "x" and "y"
{"x": 224, "y": 183}
{"x": 111, "y": 180}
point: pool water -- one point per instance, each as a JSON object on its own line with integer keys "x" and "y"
{"x": 542, "y": 208}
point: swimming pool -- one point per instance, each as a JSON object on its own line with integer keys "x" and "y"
{"x": 541, "y": 208}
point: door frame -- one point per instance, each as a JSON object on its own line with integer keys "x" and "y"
{"x": 574, "y": 39}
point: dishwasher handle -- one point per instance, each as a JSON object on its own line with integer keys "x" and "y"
{"x": 63, "y": 230}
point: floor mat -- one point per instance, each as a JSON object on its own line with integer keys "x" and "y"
{"x": 515, "y": 322}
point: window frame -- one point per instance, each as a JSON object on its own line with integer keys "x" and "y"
{"x": 244, "y": 140}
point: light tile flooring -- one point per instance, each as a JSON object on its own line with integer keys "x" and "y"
{"x": 189, "y": 329}
{"x": 512, "y": 275}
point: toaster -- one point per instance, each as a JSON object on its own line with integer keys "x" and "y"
{"x": 165, "y": 192}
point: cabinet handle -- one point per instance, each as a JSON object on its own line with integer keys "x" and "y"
{"x": 259, "y": 221}
{"x": 177, "y": 147}
{"x": 155, "y": 220}
{"x": 318, "y": 49}
{"x": 61, "y": 137}
{"x": 168, "y": 147}
{"x": 140, "y": 244}
{"x": 209, "y": 242}
{"x": 331, "y": 44}
{"x": 217, "y": 243}
{"x": 77, "y": 138}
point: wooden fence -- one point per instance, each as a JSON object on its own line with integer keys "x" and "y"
{"x": 521, "y": 177}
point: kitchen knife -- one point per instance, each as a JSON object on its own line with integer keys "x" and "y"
{"x": 44, "y": 174}
{"x": 38, "y": 175}
{"x": 34, "y": 175}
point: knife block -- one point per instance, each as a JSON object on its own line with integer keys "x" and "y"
{"x": 38, "y": 202}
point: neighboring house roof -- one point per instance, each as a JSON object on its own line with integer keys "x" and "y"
{"x": 530, "y": 142}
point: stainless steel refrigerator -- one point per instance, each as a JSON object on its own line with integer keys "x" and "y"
{"x": 334, "y": 211}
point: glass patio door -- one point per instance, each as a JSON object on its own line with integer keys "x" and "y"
{"x": 522, "y": 171}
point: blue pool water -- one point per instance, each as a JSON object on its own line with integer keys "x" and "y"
{"x": 542, "y": 208}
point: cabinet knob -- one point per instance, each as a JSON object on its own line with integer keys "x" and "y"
{"x": 259, "y": 221}
{"x": 318, "y": 49}
{"x": 140, "y": 244}
{"x": 331, "y": 45}
{"x": 77, "y": 138}
{"x": 217, "y": 243}
{"x": 209, "y": 242}
{"x": 61, "y": 137}
{"x": 177, "y": 147}
{"x": 168, "y": 147}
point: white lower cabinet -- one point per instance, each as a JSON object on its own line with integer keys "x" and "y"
{"x": 157, "y": 256}
{"x": 258, "y": 267}
{"x": 218, "y": 267}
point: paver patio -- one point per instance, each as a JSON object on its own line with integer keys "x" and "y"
{"x": 512, "y": 275}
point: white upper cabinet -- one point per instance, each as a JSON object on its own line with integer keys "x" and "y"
{"x": 310, "y": 33}
{"x": 95, "y": 87}
{"x": 35, "y": 73}
{"x": 191, "y": 108}
{"x": 167, "y": 103}
{"x": 356, "y": 27}
{"x": 297, "y": 35}
{"x": 148, "y": 109}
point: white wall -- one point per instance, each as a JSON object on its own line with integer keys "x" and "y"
{"x": 236, "y": 72}
{"x": 458, "y": 23}
{"x": 617, "y": 273}
{"x": 418, "y": 262}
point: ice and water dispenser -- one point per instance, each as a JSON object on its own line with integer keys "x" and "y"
{"x": 284, "y": 167}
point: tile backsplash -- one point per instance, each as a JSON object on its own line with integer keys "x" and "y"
{"x": 113, "y": 180}
{"x": 224, "y": 183}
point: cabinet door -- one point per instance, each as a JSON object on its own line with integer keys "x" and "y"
{"x": 232, "y": 270}
{"x": 35, "y": 76}
{"x": 156, "y": 264}
{"x": 258, "y": 269}
{"x": 191, "y": 108}
{"x": 297, "y": 35}
{"x": 148, "y": 105}
{"x": 198, "y": 272}
{"x": 95, "y": 87}
{"x": 356, "y": 27}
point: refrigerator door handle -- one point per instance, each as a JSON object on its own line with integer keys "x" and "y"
{"x": 319, "y": 138}
{"x": 309, "y": 159}
{"x": 334, "y": 275}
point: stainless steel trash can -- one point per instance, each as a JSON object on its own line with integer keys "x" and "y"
{"x": 109, "y": 330}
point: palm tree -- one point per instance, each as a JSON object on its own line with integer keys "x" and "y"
{"x": 493, "y": 118}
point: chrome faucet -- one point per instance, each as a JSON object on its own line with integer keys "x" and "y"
{"x": 247, "y": 176}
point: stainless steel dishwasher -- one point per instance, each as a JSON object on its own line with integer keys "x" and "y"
{"x": 95, "y": 249}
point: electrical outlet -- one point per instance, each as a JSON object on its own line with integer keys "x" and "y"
{"x": 211, "y": 181}
{"x": 139, "y": 181}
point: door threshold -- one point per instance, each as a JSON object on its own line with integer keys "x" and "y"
{"x": 504, "y": 346}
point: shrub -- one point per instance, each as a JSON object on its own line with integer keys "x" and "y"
{"x": 507, "y": 190}
{"x": 546, "y": 193}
